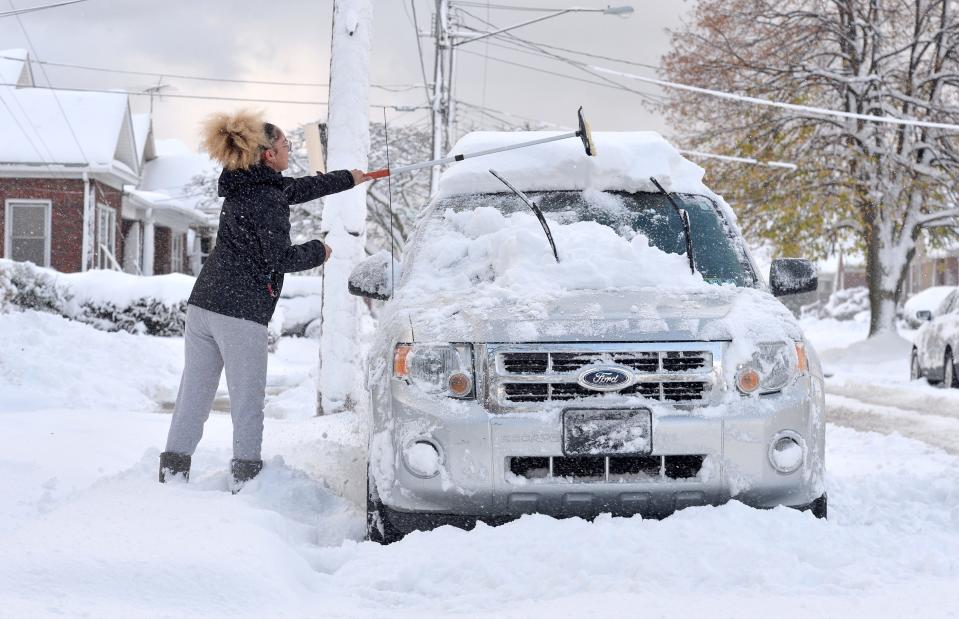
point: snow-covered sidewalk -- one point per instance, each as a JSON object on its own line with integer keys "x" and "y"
{"x": 85, "y": 530}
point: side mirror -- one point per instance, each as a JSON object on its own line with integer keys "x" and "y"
{"x": 924, "y": 315}
{"x": 792, "y": 276}
{"x": 373, "y": 278}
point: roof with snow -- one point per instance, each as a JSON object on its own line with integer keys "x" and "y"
{"x": 624, "y": 161}
{"x": 167, "y": 178}
{"x": 14, "y": 68}
{"x": 42, "y": 126}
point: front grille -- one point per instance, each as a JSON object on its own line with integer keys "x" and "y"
{"x": 593, "y": 469}
{"x": 523, "y": 375}
{"x": 685, "y": 391}
{"x": 526, "y": 363}
{"x": 641, "y": 361}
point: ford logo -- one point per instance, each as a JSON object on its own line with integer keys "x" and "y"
{"x": 605, "y": 378}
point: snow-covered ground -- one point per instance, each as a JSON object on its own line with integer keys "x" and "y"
{"x": 85, "y": 530}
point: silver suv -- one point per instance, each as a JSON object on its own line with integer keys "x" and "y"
{"x": 619, "y": 401}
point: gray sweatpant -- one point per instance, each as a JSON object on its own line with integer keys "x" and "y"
{"x": 214, "y": 341}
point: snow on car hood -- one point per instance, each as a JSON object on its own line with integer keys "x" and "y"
{"x": 624, "y": 162}
{"x": 649, "y": 314}
{"x": 482, "y": 276}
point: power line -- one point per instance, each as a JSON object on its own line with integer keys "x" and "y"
{"x": 204, "y": 78}
{"x": 505, "y": 7}
{"x": 563, "y": 49}
{"x": 769, "y": 164}
{"x": 419, "y": 50}
{"x": 38, "y": 8}
{"x": 556, "y": 73}
{"x": 820, "y": 111}
{"x": 693, "y": 153}
{"x": 66, "y": 118}
{"x": 574, "y": 63}
{"x": 397, "y": 107}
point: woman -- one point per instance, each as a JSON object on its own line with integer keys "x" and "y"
{"x": 236, "y": 292}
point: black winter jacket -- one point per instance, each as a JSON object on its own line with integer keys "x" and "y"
{"x": 243, "y": 275}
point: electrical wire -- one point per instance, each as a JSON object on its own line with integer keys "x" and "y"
{"x": 397, "y": 107}
{"x": 39, "y": 8}
{"x": 566, "y": 49}
{"x": 56, "y": 98}
{"x": 419, "y": 50}
{"x": 204, "y": 78}
{"x": 569, "y": 61}
{"x": 557, "y": 74}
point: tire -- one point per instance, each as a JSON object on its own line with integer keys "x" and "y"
{"x": 949, "y": 378}
{"x": 819, "y": 507}
{"x": 915, "y": 370}
{"x": 379, "y": 529}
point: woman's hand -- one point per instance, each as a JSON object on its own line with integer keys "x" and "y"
{"x": 359, "y": 176}
{"x": 329, "y": 251}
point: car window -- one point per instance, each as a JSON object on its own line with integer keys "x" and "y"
{"x": 718, "y": 253}
{"x": 948, "y": 304}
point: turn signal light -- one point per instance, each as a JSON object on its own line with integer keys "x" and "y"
{"x": 400, "y": 367}
{"x": 802, "y": 364}
{"x": 747, "y": 380}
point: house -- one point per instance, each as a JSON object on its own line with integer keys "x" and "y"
{"x": 933, "y": 267}
{"x": 72, "y": 172}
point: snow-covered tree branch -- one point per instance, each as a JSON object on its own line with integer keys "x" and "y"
{"x": 887, "y": 58}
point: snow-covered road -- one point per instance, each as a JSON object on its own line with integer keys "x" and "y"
{"x": 868, "y": 387}
{"x": 85, "y": 530}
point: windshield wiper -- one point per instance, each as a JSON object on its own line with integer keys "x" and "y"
{"x": 536, "y": 210}
{"x": 683, "y": 217}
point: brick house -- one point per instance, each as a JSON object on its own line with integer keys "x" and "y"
{"x": 72, "y": 167}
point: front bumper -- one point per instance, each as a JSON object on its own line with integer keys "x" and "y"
{"x": 476, "y": 479}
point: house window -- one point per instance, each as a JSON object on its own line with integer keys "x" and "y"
{"x": 28, "y": 231}
{"x": 176, "y": 253}
{"x": 106, "y": 237}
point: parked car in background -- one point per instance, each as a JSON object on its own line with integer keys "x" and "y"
{"x": 929, "y": 300}
{"x": 937, "y": 343}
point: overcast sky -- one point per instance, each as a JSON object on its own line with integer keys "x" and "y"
{"x": 286, "y": 40}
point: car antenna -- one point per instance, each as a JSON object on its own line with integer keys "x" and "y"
{"x": 536, "y": 210}
{"x": 683, "y": 217}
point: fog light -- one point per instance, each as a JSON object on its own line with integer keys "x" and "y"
{"x": 786, "y": 453}
{"x": 747, "y": 380}
{"x": 422, "y": 459}
{"x": 460, "y": 384}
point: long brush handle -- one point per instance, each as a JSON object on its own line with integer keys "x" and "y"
{"x": 435, "y": 162}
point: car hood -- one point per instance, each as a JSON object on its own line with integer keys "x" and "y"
{"x": 719, "y": 313}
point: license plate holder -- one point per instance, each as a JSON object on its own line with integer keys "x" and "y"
{"x": 607, "y": 432}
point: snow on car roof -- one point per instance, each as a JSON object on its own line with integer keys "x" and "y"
{"x": 624, "y": 161}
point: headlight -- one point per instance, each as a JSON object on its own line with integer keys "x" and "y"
{"x": 437, "y": 369}
{"x": 772, "y": 366}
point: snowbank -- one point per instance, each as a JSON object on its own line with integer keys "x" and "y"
{"x": 47, "y": 361}
{"x": 85, "y": 530}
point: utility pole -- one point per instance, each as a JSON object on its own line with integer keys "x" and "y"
{"x": 445, "y": 41}
{"x": 443, "y": 50}
{"x": 344, "y": 214}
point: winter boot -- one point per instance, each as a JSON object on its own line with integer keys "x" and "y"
{"x": 244, "y": 471}
{"x": 173, "y": 464}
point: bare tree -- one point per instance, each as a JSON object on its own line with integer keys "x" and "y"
{"x": 882, "y": 185}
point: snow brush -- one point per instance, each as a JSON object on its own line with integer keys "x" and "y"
{"x": 584, "y": 133}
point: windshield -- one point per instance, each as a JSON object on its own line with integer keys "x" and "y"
{"x": 717, "y": 255}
